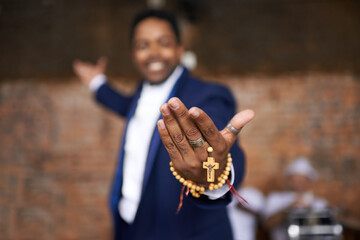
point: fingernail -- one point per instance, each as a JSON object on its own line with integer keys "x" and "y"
{"x": 174, "y": 104}
{"x": 165, "y": 110}
{"x": 161, "y": 124}
{"x": 194, "y": 113}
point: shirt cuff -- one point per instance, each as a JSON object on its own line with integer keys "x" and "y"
{"x": 218, "y": 193}
{"x": 97, "y": 82}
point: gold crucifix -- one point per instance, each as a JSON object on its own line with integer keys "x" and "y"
{"x": 210, "y": 166}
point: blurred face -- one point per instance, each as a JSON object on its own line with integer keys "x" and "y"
{"x": 155, "y": 50}
{"x": 299, "y": 183}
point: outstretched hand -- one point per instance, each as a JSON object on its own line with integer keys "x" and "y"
{"x": 86, "y": 71}
{"x": 179, "y": 125}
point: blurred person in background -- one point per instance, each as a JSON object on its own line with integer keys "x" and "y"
{"x": 299, "y": 176}
{"x": 245, "y": 217}
{"x": 145, "y": 194}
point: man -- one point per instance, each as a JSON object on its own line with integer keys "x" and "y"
{"x": 145, "y": 194}
{"x": 299, "y": 177}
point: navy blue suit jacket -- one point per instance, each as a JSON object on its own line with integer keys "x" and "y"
{"x": 156, "y": 217}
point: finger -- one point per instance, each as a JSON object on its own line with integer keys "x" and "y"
{"x": 174, "y": 154}
{"x": 101, "y": 64}
{"x": 176, "y": 133}
{"x": 238, "y": 122}
{"x": 76, "y": 63}
{"x": 187, "y": 125}
{"x": 80, "y": 65}
{"x": 77, "y": 66}
{"x": 208, "y": 129}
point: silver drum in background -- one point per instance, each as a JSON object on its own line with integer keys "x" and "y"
{"x": 309, "y": 224}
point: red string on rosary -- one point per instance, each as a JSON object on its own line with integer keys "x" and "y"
{"x": 181, "y": 199}
{"x": 235, "y": 193}
{"x": 231, "y": 188}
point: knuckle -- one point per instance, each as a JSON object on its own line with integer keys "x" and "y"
{"x": 169, "y": 120}
{"x": 210, "y": 131}
{"x": 182, "y": 113}
{"x": 178, "y": 137}
{"x": 183, "y": 148}
{"x": 170, "y": 146}
{"x": 180, "y": 167}
{"x": 191, "y": 132}
{"x": 222, "y": 149}
{"x": 194, "y": 166}
{"x": 172, "y": 155}
{"x": 190, "y": 168}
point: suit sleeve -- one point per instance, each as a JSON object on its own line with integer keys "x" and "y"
{"x": 108, "y": 97}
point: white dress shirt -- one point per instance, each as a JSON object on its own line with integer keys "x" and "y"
{"x": 138, "y": 137}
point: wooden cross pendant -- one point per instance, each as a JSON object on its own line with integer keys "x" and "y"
{"x": 210, "y": 166}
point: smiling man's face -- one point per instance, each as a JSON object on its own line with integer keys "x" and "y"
{"x": 155, "y": 50}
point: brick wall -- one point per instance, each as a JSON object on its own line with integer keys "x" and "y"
{"x": 41, "y": 38}
{"x": 56, "y": 164}
{"x": 296, "y": 63}
{"x": 59, "y": 148}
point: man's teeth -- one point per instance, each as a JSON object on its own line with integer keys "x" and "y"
{"x": 156, "y": 66}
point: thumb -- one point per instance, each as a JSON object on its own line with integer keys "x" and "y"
{"x": 238, "y": 122}
{"x": 101, "y": 64}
